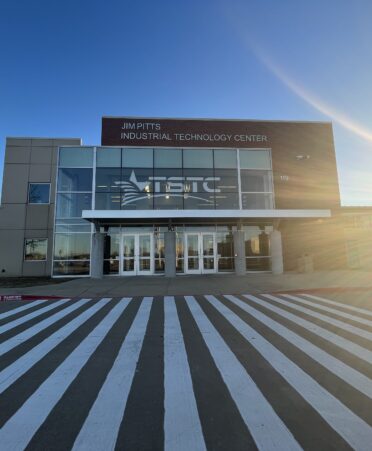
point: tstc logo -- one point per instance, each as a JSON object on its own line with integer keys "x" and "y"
{"x": 164, "y": 186}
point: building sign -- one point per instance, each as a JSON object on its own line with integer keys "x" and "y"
{"x": 135, "y": 189}
{"x": 121, "y": 131}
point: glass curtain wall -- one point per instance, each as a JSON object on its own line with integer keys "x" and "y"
{"x": 257, "y": 247}
{"x": 176, "y": 179}
{"x": 72, "y": 239}
{"x": 256, "y": 179}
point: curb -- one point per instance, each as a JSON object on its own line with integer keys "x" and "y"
{"x": 326, "y": 290}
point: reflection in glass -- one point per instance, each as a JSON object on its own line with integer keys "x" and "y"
{"x": 38, "y": 193}
{"x": 168, "y": 202}
{"x": 226, "y": 264}
{"x": 226, "y": 180}
{"x": 255, "y": 159}
{"x": 168, "y": 158}
{"x": 144, "y": 264}
{"x": 73, "y": 268}
{"x": 76, "y": 157}
{"x": 208, "y": 245}
{"x": 108, "y": 157}
{"x": 111, "y": 266}
{"x": 128, "y": 264}
{"x": 108, "y": 201}
{"x": 137, "y": 158}
{"x": 36, "y": 248}
{"x": 192, "y": 245}
{"x": 257, "y": 201}
{"x": 258, "y": 264}
{"x": 75, "y": 179}
{"x": 198, "y": 201}
{"x": 193, "y": 263}
{"x": 256, "y": 181}
{"x": 208, "y": 263}
{"x": 137, "y": 202}
{"x": 227, "y": 201}
{"x": 71, "y": 205}
{"x": 159, "y": 265}
{"x": 144, "y": 245}
{"x": 73, "y": 246}
{"x": 225, "y": 158}
{"x": 108, "y": 179}
{"x": 128, "y": 245}
{"x": 198, "y": 158}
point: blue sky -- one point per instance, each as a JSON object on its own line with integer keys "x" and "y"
{"x": 64, "y": 64}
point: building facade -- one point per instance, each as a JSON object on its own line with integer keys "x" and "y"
{"x": 169, "y": 197}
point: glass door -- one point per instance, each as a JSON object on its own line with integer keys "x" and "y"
{"x": 200, "y": 253}
{"x": 192, "y": 259}
{"x": 137, "y": 254}
{"x": 145, "y": 256}
{"x": 129, "y": 255}
{"x": 209, "y": 252}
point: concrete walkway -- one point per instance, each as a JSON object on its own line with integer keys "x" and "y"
{"x": 194, "y": 285}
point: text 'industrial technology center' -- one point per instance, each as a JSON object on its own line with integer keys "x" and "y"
{"x": 171, "y": 197}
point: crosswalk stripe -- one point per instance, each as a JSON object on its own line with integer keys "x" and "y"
{"x": 339, "y": 304}
{"x": 329, "y": 310}
{"x": 36, "y": 313}
{"x": 267, "y": 429}
{"x": 100, "y": 430}
{"x": 182, "y": 427}
{"x": 348, "y": 425}
{"x": 21, "y": 309}
{"x": 19, "y": 429}
{"x": 341, "y": 342}
{"x": 12, "y": 342}
{"x": 327, "y": 319}
{"x": 336, "y": 366}
{"x": 20, "y": 366}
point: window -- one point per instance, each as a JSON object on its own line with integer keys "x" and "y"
{"x": 256, "y": 179}
{"x": 36, "y": 249}
{"x": 76, "y": 157}
{"x": 39, "y": 193}
{"x": 75, "y": 179}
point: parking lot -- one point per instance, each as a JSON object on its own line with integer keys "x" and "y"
{"x": 254, "y": 371}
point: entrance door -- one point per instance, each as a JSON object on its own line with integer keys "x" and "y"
{"x": 200, "y": 252}
{"x": 137, "y": 254}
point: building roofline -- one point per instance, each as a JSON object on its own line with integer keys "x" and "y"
{"x": 49, "y": 138}
{"x": 217, "y": 119}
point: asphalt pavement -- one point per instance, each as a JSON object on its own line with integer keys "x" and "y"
{"x": 196, "y": 372}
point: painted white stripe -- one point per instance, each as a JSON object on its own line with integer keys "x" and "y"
{"x": 334, "y": 322}
{"x": 353, "y": 429}
{"x": 28, "y": 333}
{"x": 100, "y": 430}
{"x": 15, "y": 370}
{"x": 21, "y": 309}
{"x": 330, "y": 310}
{"x": 267, "y": 429}
{"x": 182, "y": 428}
{"x": 20, "y": 428}
{"x": 24, "y": 319}
{"x": 340, "y": 304}
{"x": 337, "y": 367}
{"x": 341, "y": 342}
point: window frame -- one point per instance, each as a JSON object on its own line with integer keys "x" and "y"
{"x": 24, "y": 250}
{"x": 29, "y": 189}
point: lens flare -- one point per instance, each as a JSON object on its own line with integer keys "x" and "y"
{"x": 311, "y": 99}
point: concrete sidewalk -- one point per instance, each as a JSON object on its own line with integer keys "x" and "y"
{"x": 194, "y": 285}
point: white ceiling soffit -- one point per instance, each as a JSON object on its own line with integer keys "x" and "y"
{"x": 163, "y": 214}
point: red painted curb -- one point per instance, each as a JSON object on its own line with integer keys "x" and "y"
{"x": 21, "y": 297}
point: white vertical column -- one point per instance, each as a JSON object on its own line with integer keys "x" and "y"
{"x": 276, "y": 252}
